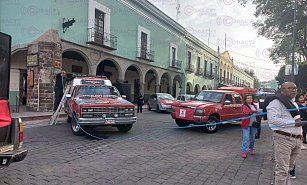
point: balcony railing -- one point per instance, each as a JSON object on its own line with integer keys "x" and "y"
{"x": 176, "y": 64}
{"x": 189, "y": 68}
{"x": 199, "y": 71}
{"x": 102, "y": 39}
{"x": 145, "y": 54}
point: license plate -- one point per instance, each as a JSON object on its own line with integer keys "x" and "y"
{"x": 182, "y": 112}
{"x": 110, "y": 121}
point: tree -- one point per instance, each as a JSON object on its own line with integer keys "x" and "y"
{"x": 275, "y": 21}
{"x": 252, "y": 74}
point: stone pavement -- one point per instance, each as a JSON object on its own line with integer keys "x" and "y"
{"x": 152, "y": 153}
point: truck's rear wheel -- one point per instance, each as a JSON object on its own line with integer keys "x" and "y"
{"x": 75, "y": 128}
{"x": 211, "y": 128}
{"x": 182, "y": 123}
{"x": 124, "y": 128}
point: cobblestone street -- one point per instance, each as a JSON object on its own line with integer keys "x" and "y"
{"x": 155, "y": 151}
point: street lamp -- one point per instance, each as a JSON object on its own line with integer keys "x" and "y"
{"x": 293, "y": 41}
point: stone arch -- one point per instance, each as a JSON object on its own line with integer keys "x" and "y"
{"x": 189, "y": 87}
{"x": 151, "y": 81}
{"x": 109, "y": 68}
{"x": 177, "y": 86}
{"x": 133, "y": 74}
{"x": 165, "y": 83}
{"x": 75, "y": 62}
{"x": 204, "y": 87}
{"x": 196, "y": 89}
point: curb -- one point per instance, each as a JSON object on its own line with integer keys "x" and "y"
{"x": 38, "y": 117}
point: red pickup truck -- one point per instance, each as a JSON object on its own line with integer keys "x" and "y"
{"x": 209, "y": 107}
{"x": 92, "y": 105}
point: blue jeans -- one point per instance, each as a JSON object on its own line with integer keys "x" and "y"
{"x": 248, "y": 135}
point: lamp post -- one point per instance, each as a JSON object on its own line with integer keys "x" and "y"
{"x": 293, "y": 41}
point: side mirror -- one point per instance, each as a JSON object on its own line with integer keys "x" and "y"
{"x": 124, "y": 96}
{"x": 227, "y": 102}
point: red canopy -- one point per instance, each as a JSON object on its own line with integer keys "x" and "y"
{"x": 5, "y": 115}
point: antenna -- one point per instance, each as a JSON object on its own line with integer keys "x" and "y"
{"x": 177, "y": 10}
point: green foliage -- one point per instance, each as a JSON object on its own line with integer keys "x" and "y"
{"x": 275, "y": 22}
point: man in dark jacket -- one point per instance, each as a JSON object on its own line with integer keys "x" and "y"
{"x": 59, "y": 89}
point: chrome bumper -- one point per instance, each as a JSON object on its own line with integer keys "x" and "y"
{"x": 106, "y": 121}
{"x": 12, "y": 156}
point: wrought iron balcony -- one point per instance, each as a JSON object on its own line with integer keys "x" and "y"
{"x": 102, "y": 39}
{"x": 189, "y": 68}
{"x": 198, "y": 71}
{"x": 145, "y": 54}
{"x": 176, "y": 64}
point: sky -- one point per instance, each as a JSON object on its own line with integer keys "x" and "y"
{"x": 210, "y": 20}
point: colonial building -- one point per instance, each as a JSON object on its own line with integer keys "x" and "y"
{"x": 130, "y": 41}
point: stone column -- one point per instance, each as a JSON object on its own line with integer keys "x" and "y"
{"x": 44, "y": 61}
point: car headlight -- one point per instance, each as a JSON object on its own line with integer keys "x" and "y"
{"x": 90, "y": 110}
{"x": 199, "y": 112}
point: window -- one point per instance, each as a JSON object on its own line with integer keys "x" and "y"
{"x": 189, "y": 63}
{"x": 198, "y": 64}
{"x": 173, "y": 56}
{"x": 237, "y": 99}
{"x": 211, "y": 69}
{"x": 228, "y": 97}
{"x": 205, "y": 67}
{"x": 143, "y": 44}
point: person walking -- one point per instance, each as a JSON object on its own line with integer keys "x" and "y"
{"x": 140, "y": 103}
{"x": 285, "y": 121}
{"x": 59, "y": 89}
{"x": 249, "y": 131}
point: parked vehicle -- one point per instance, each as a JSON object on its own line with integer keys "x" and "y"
{"x": 209, "y": 107}
{"x": 11, "y": 129}
{"x": 241, "y": 90}
{"x": 93, "y": 105}
{"x": 262, "y": 96}
{"x": 184, "y": 97}
{"x": 161, "y": 102}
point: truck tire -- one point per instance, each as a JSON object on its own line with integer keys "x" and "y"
{"x": 124, "y": 128}
{"x": 75, "y": 128}
{"x": 211, "y": 128}
{"x": 182, "y": 123}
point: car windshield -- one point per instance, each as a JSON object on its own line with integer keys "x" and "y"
{"x": 209, "y": 96}
{"x": 97, "y": 90}
{"x": 165, "y": 97}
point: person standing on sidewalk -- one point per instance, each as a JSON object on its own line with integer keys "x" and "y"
{"x": 140, "y": 103}
{"x": 59, "y": 89}
{"x": 285, "y": 121}
{"x": 249, "y": 131}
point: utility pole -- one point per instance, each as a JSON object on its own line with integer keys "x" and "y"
{"x": 177, "y": 10}
{"x": 293, "y": 40}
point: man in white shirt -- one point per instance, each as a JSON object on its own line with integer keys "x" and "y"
{"x": 287, "y": 132}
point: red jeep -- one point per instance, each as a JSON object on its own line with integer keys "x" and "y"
{"x": 209, "y": 106}
{"x": 94, "y": 105}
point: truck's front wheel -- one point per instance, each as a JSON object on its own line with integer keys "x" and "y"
{"x": 182, "y": 123}
{"x": 124, "y": 128}
{"x": 212, "y": 128}
{"x": 76, "y": 129}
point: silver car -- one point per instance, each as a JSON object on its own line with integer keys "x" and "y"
{"x": 161, "y": 102}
